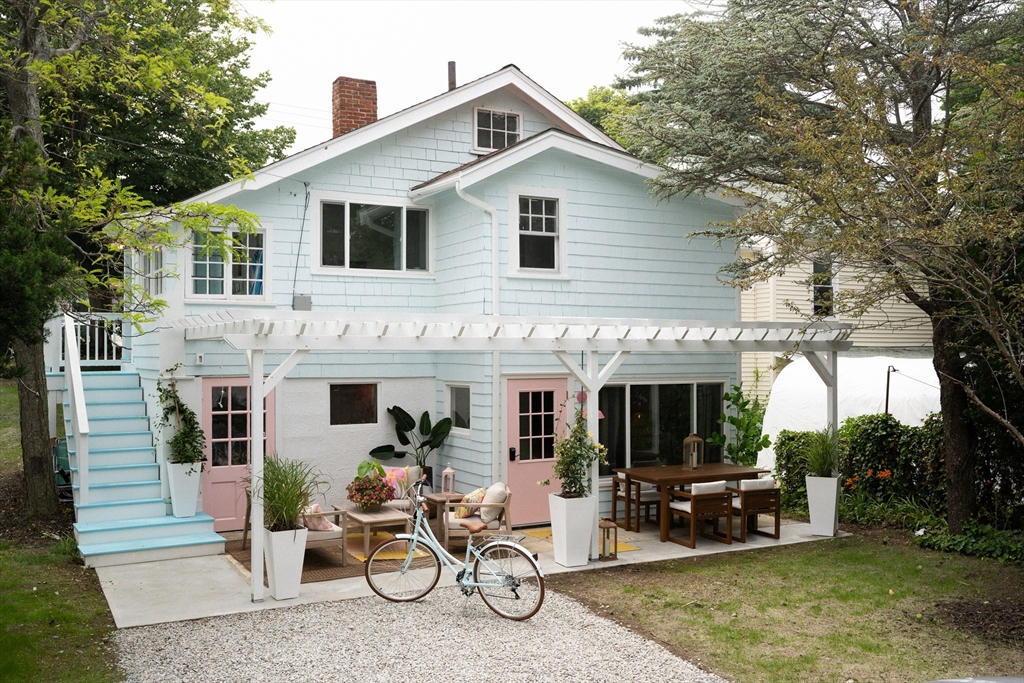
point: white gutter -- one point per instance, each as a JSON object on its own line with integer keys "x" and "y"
{"x": 496, "y": 459}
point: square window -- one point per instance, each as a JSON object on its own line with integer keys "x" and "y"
{"x": 242, "y": 272}
{"x": 459, "y": 412}
{"x": 353, "y": 404}
{"x": 495, "y": 129}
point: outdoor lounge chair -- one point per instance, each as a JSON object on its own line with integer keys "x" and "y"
{"x": 703, "y": 503}
{"x": 493, "y": 513}
{"x": 755, "y": 497}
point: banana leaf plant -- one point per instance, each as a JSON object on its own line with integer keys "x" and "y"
{"x": 424, "y": 437}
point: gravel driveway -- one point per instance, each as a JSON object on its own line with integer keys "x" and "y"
{"x": 442, "y": 638}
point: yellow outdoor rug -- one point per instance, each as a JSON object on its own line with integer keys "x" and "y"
{"x": 544, "y": 533}
{"x": 355, "y": 543}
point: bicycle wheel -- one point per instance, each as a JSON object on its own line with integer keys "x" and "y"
{"x": 386, "y": 577}
{"x": 513, "y": 587}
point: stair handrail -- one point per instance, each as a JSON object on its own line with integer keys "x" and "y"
{"x": 76, "y": 399}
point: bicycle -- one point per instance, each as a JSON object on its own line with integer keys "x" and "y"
{"x": 408, "y": 567}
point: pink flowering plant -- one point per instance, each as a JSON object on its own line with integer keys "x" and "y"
{"x": 370, "y": 488}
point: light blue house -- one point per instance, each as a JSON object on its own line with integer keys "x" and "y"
{"x": 482, "y": 255}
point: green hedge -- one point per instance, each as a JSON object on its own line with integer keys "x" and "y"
{"x": 790, "y": 469}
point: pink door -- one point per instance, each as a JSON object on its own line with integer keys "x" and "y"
{"x": 535, "y": 414}
{"x": 226, "y": 413}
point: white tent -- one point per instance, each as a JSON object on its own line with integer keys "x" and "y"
{"x": 797, "y": 400}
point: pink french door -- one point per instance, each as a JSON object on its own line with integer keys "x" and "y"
{"x": 226, "y": 413}
{"x": 535, "y": 415}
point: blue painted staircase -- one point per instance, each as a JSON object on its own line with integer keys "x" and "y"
{"x": 126, "y": 520}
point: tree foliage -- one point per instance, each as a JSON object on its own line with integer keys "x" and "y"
{"x": 606, "y": 108}
{"x": 883, "y": 138}
{"x": 125, "y": 105}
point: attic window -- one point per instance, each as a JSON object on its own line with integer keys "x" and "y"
{"x": 495, "y": 129}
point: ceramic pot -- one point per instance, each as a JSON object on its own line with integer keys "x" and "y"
{"x": 285, "y": 551}
{"x": 183, "y": 480}
{"x": 823, "y": 503}
{"x": 572, "y": 527}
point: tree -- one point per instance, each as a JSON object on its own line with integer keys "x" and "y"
{"x": 76, "y": 77}
{"x": 606, "y": 108}
{"x": 843, "y": 125}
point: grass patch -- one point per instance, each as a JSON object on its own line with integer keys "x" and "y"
{"x": 858, "y": 608}
{"x": 54, "y": 625}
{"x": 10, "y": 433}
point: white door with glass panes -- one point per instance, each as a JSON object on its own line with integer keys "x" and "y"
{"x": 226, "y": 413}
{"x": 536, "y": 414}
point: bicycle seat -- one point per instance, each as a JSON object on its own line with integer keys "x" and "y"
{"x": 473, "y": 527}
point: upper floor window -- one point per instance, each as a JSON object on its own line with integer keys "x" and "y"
{"x": 151, "y": 272}
{"x": 366, "y": 236}
{"x": 241, "y": 275}
{"x": 537, "y": 242}
{"x": 495, "y": 130}
{"x": 823, "y": 289}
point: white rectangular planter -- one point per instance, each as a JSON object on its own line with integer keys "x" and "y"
{"x": 285, "y": 551}
{"x": 823, "y": 502}
{"x": 572, "y": 528}
{"x": 183, "y": 481}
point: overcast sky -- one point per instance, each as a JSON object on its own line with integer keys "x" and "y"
{"x": 405, "y": 47}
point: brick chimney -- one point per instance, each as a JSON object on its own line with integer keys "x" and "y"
{"x": 354, "y": 104}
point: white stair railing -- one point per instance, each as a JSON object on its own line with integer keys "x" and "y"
{"x": 100, "y": 341}
{"x": 76, "y": 399}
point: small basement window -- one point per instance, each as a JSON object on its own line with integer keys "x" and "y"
{"x": 353, "y": 404}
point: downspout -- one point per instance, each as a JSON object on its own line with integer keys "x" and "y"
{"x": 496, "y": 459}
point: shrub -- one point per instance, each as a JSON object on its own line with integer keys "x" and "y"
{"x": 790, "y": 469}
{"x": 978, "y": 540}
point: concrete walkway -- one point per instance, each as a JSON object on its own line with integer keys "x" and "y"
{"x": 214, "y": 585}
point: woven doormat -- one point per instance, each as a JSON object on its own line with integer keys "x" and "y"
{"x": 320, "y": 564}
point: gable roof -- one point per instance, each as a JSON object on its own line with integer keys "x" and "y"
{"x": 509, "y": 77}
{"x": 553, "y": 138}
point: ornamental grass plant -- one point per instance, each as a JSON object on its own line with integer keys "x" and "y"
{"x": 286, "y": 489}
{"x": 821, "y": 454}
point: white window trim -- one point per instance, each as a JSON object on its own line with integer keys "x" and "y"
{"x": 381, "y": 411}
{"x": 319, "y": 197}
{"x": 266, "y": 230}
{"x": 488, "y": 150}
{"x": 835, "y": 291}
{"x": 560, "y": 271}
{"x": 458, "y": 431}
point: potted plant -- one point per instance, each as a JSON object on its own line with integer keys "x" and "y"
{"x": 186, "y": 458}
{"x": 370, "y": 489}
{"x": 423, "y": 437}
{"x": 822, "y": 459}
{"x": 574, "y": 509}
{"x": 285, "y": 490}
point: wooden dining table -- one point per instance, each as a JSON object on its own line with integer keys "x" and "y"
{"x": 669, "y": 476}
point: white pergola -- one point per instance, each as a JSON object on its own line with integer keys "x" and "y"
{"x": 299, "y": 332}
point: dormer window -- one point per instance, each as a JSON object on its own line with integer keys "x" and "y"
{"x": 494, "y": 129}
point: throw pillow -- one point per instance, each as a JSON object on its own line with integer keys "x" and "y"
{"x": 495, "y": 494}
{"x": 315, "y": 523}
{"x": 398, "y": 477}
{"x": 472, "y": 497}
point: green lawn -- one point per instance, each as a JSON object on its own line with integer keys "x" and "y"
{"x": 54, "y": 621}
{"x": 860, "y": 608}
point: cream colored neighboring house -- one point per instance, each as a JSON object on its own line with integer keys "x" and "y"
{"x": 896, "y": 328}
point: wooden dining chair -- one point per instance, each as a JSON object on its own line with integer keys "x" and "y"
{"x": 703, "y": 503}
{"x": 755, "y": 497}
{"x": 642, "y": 495}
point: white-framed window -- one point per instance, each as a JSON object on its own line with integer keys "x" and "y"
{"x": 151, "y": 272}
{"x": 823, "y": 289}
{"x": 645, "y": 422}
{"x": 211, "y": 275}
{"x": 353, "y": 404}
{"x": 495, "y": 129}
{"x": 459, "y": 400}
{"x": 365, "y": 233}
{"x": 537, "y": 232}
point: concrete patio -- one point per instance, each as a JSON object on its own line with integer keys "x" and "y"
{"x": 199, "y": 587}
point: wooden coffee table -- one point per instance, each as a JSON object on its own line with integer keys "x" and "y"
{"x": 383, "y": 518}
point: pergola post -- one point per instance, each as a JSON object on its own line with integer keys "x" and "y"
{"x": 826, "y": 364}
{"x": 256, "y": 394}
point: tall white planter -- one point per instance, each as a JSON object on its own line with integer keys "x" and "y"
{"x": 823, "y": 502}
{"x": 284, "y": 551}
{"x": 183, "y": 480}
{"x": 572, "y": 528}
